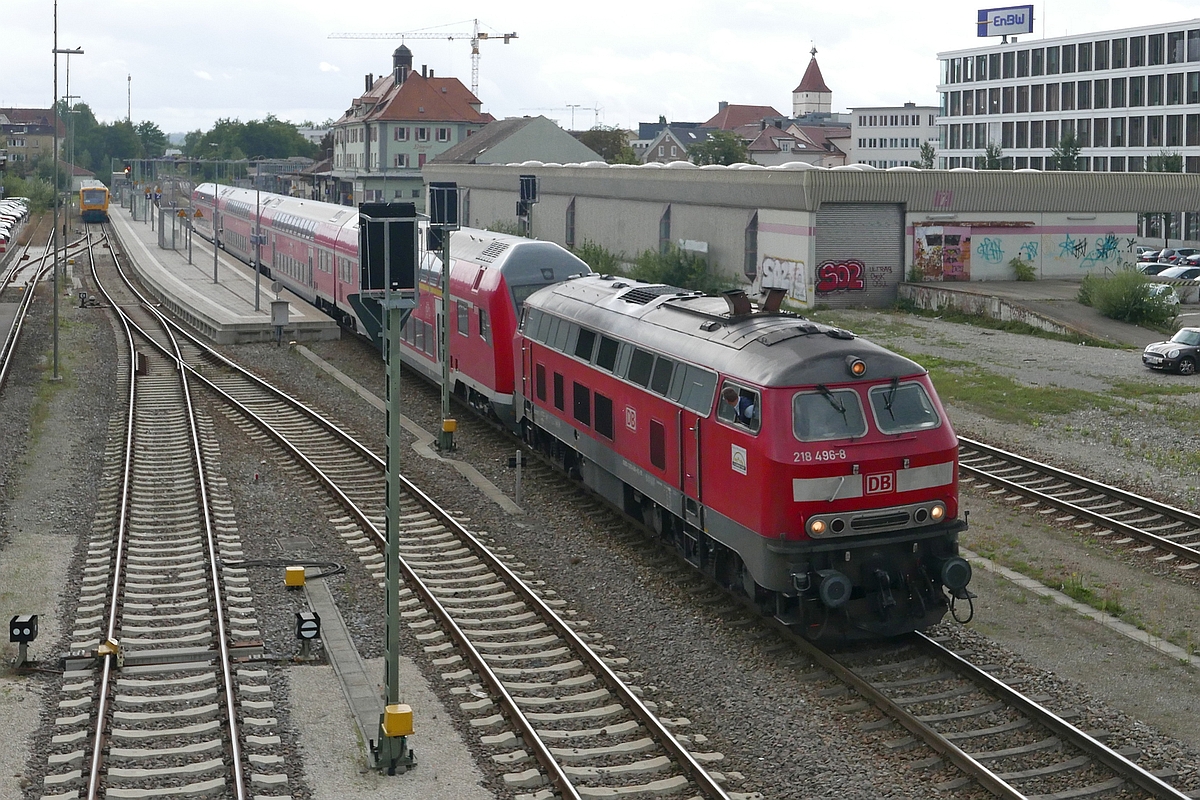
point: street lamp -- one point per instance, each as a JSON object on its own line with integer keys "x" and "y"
{"x": 57, "y": 278}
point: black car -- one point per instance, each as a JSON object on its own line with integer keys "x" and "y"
{"x": 1181, "y": 354}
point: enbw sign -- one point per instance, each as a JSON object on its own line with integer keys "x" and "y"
{"x": 1005, "y": 21}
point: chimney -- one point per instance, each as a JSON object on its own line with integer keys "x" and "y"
{"x": 739, "y": 303}
{"x": 424, "y": 70}
{"x": 370, "y": 81}
{"x": 431, "y": 73}
{"x": 722, "y": 105}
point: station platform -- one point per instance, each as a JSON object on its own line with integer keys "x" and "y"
{"x": 223, "y": 311}
{"x": 1051, "y": 305}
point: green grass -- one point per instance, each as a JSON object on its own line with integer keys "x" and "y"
{"x": 980, "y": 321}
{"x": 1002, "y": 398}
{"x": 1148, "y": 391}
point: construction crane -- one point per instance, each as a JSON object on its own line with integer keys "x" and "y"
{"x": 476, "y": 36}
{"x": 597, "y": 110}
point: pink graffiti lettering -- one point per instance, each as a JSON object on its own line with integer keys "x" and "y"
{"x": 840, "y": 276}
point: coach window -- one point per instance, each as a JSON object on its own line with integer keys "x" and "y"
{"x": 824, "y": 414}
{"x": 640, "y": 367}
{"x": 559, "y": 399}
{"x": 582, "y": 405}
{"x": 606, "y": 356}
{"x": 485, "y": 331}
{"x": 660, "y": 380}
{"x": 585, "y": 344}
{"x": 464, "y": 319}
{"x": 902, "y": 407}
{"x": 739, "y": 406}
{"x": 604, "y": 416}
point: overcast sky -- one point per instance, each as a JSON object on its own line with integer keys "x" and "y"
{"x": 193, "y": 63}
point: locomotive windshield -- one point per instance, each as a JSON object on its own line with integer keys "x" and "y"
{"x": 902, "y": 407}
{"x": 827, "y": 414}
{"x": 92, "y": 196}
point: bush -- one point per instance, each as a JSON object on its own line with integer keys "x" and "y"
{"x": 1125, "y": 296}
{"x": 39, "y": 192}
{"x": 676, "y": 267}
{"x": 599, "y": 258}
{"x": 1023, "y": 270}
{"x": 505, "y": 226}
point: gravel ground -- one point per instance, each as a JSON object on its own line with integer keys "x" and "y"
{"x": 788, "y": 730}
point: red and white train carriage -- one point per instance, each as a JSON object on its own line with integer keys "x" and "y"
{"x": 825, "y": 488}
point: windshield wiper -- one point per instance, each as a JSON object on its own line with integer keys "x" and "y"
{"x": 833, "y": 401}
{"x": 890, "y": 397}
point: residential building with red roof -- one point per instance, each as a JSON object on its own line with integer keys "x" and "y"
{"x": 401, "y": 120}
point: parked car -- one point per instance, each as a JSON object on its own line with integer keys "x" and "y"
{"x": 1163, "y": 291}
{"x": 1147, "y": 255}
{"x": 1180, "y": 254}
{"x": 1183, "y": 273}
{"x": 1180, "y": 354}
{"x": 1154, "y": 267}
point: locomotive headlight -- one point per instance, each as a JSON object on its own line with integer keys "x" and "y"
{"x": 937, "y": 513}
{"x": 856, "y": 366}
{"x": 816, "y": 527}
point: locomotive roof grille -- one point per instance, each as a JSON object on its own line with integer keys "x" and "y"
{"x": 643, "y": 295}
{"x": 493, "y": 251}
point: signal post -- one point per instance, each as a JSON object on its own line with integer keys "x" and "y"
{"x": 387, "y": 247}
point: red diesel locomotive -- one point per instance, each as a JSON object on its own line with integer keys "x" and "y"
{"x": 808, "y": 468}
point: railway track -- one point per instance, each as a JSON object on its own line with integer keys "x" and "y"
{"x": 1170, "y": 535}
{"x": 151, "y": 704}
{"x": 1005, "y": 741}
{"x": 8, "y": 284}
{"x": 545, "y": 692}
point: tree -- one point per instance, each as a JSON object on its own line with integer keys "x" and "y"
{"x": 721, "y": 147}
{"x": 1165, "y": 161}
{"x": 154, "y": 141}
{"x": 1065, "y": 155}
{"x": 927, "y": 155}
{"x": 612, "y": 144}
{"x": 993, "y": 156}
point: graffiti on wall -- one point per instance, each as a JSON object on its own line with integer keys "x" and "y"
{"x": 841, "y": 275}
{"x": 787, "y": 274}
{"x": 942, "y": 253}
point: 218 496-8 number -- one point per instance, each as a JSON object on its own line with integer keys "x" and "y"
{"x": 818, "y": 455}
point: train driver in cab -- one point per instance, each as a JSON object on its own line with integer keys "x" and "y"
{"x": 739, "y": 407}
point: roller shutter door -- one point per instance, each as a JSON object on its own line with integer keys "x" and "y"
{"x": 860, "y": 254}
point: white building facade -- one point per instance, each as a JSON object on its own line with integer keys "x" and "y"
{"x": 1126, "y": 95}
{"x": 891, "y": 136}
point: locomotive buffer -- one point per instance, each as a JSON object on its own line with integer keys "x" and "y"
{"x": 387, "y": 245}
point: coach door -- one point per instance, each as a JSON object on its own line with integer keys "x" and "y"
{"x": 689, "y": 467}
{"x": 860, "y": 254}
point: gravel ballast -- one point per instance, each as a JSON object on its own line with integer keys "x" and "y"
{"x": 786, "y": 728}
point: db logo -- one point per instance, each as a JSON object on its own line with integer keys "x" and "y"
{"x": 631, "y": 418}
{"x": 881, "y": 483}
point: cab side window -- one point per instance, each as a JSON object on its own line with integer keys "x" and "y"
{"x": 739, "y": 406}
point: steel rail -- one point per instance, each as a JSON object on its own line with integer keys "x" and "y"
{"x": 692, "y": 768}
{"x": 1118, "y": 763}
{"x": 14, "y": 333}
{"x": 239, "y": 781}
{"x": 1164, "y": 510}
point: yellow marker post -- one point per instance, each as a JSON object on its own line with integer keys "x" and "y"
{"x": 293, "y": 577}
